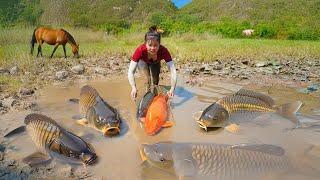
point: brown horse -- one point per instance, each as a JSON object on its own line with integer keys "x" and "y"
{"x": 54, "y": 37}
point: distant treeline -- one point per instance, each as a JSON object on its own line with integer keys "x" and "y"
{"x": 274, "y": 19}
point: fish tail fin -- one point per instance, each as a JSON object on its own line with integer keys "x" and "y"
{"x": 289, "y": 110}
{"x": 15, "y": 131}
{"x": 306, "y": 162}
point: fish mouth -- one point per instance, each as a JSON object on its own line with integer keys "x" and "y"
{"x": 143, "y": 154}
{"x": 202, "y": 124}
{"x": 111, "y": 131}
{"x": 91, "y": 160}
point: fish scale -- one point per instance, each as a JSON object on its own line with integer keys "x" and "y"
{"x": 262, "y": 97}
{"x": 237, "y": 102}
{"x": 230, "y": 158}
{"x": 42, "y": 131}
{"x": 88, "y": 97}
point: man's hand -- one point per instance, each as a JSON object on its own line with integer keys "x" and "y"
{"x": 170, "y": 93}
{"x": 134, "y": 93}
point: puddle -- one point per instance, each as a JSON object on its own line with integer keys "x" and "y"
{"x": 119, "y": 156}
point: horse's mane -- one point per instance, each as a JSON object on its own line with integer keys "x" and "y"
{"x": 70, "y": 38}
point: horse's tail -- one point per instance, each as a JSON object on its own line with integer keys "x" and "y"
{"x": 33, "y": 41}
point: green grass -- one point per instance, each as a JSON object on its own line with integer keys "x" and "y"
{"x": 208, "y": 49}
{"x": 185, "y": 47}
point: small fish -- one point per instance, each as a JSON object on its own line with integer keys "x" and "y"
{"x": 53, "y": 141}
{"x": 144, "y": 104}
{"x": 218, "y": 161}
{"x": 157, "y": 115}
{"x": 246, "y": 102}
{"x": 97, "y": 113}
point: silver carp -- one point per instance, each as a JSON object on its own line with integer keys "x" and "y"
{"x": 216, "y": 161}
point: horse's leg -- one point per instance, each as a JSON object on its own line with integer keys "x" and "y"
{"x": 39, "y": 50}
{"x": 64, "y": 50}
{"x": 54, "y": 50}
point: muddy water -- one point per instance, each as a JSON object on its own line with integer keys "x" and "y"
{"x": 119, "y": 156}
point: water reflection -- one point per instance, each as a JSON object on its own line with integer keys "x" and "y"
{"x": 182, "y": 95}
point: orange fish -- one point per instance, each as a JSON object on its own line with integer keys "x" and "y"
{"x": 157, "y": 115}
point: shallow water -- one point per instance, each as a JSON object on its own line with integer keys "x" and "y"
{"x": 119, "y": 156}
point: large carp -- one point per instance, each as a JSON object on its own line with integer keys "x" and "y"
{"x": 97, "y": 113}
{"x": 244, "y": 102}
{"x": 157, "y": 115}
{"x": 53, "y": 141}
{"x": 216, "y": 161}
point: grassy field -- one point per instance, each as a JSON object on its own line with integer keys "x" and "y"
{"x": 15, "y": 49}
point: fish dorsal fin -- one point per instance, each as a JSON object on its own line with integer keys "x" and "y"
{"x": 265, "y": 98}
{"x": 263, "y": 148}
{"x": 35, "y": 116}
{"x": 88, "y": 98}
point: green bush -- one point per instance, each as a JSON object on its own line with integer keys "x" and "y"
{"x": 230, "y": 28}
{"x": 115, "y": 27}
{"x": 303, "y": 34}
{"x": 264, "y": 30}
{"x": 203, "y": 27}
{"x": 163, "y": 21}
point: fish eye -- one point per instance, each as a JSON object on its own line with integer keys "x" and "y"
{"x": 162, "y": 159}
{"x": 99, "y": 118}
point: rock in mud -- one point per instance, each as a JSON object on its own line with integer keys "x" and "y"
{"x": 261, "y": 64}
{"x": 313, "y": 87}
{"x": 60, "y": 75}
{"x": 4, "y": 71}
{"x": 26, "y": 91}
{"x": 310, "y": 88}
{"x": 100, "y": 70}
{"x": 9, "y": 102}
{"x": 78, "y": 69}
{"x": 14, "y": 70}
